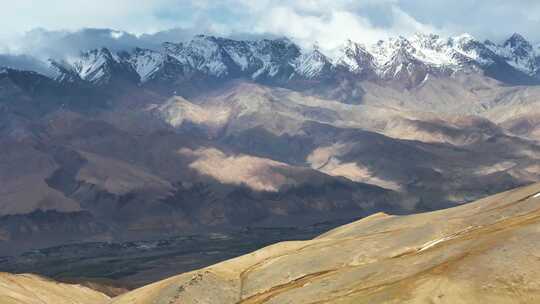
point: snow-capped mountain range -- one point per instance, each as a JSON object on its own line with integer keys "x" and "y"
{"x": 281, "y": 60}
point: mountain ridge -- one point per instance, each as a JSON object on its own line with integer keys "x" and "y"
{"x": 464, "y": 254}
{"x": 281, "y": 60}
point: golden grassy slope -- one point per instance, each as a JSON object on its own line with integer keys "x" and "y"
{"x": 483, "y": 252}
{"x": 32, "y": 289}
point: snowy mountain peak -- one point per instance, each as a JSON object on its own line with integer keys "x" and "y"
{"x": 516, "y": 41}
{"x": 92, "y": 65}
{"x": 398, "y": 49}
{"x": 208, "y": 43}
{"x": 427, "y": 41}
{"x": 517, "y": 52}
{"x": 171, "y": 47}
{"x": 354, "y": 57}
{"x": 425, "y": 36}
{"x": 206, "y": 54}
{"x": 281, "y": 60}
{"x": 463, "y": 38}
{"x": 146, "y": 62}
{"x": 62, "y": 71}
{"x": 312, "y": 64}
{"x": 519, "y": 48}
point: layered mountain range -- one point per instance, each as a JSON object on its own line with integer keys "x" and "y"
{"x": 282, "y": 61}
{"x": 482, "y": 252}
{"x": 217, "y": 134}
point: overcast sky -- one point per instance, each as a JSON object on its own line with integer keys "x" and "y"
{"x": 326, "y": 22}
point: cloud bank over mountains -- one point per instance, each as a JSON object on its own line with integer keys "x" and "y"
{"x": 60, "y": 28}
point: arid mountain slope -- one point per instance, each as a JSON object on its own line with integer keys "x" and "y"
{"x": 190, "y": 138}
{"x": 32, "y": 289}
{"x": 246, "y": 154}
{"x": 92, "y": 181}
{"x": 482, "y": 252}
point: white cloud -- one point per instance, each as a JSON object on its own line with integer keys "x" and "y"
{"x": 327, "y": 22}
{"x": 140, "y": 16}
{"x": 324, "y": 21}
{"x": 330, "y": 28}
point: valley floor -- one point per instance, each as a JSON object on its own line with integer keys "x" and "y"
{"x": 117, "y": 267}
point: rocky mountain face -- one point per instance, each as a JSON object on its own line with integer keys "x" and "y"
{"x": 281, "y": 61}
{"x": 217, "y": 134}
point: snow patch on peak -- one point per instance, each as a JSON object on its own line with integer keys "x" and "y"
{"x": 204, "y": 53}
{"x": 516, "y": 40}
{"x": 91, "y": 65}
{"x": 354, "y": 56}
{"x": 311, "y": 64}
{"x": 427, "y": 41}
{"x": 470, "y": 49}
{"x": 434, "y": 50}
{"x": 282, "y": 59}
{"x": 60, "y": 71}
{"x": 383, "y": 51}
{"x": 240, "y": 53}
{"x": 463, "y": 38}
{"x": 146, "y": 62}
{"x": 518, "y": 53}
